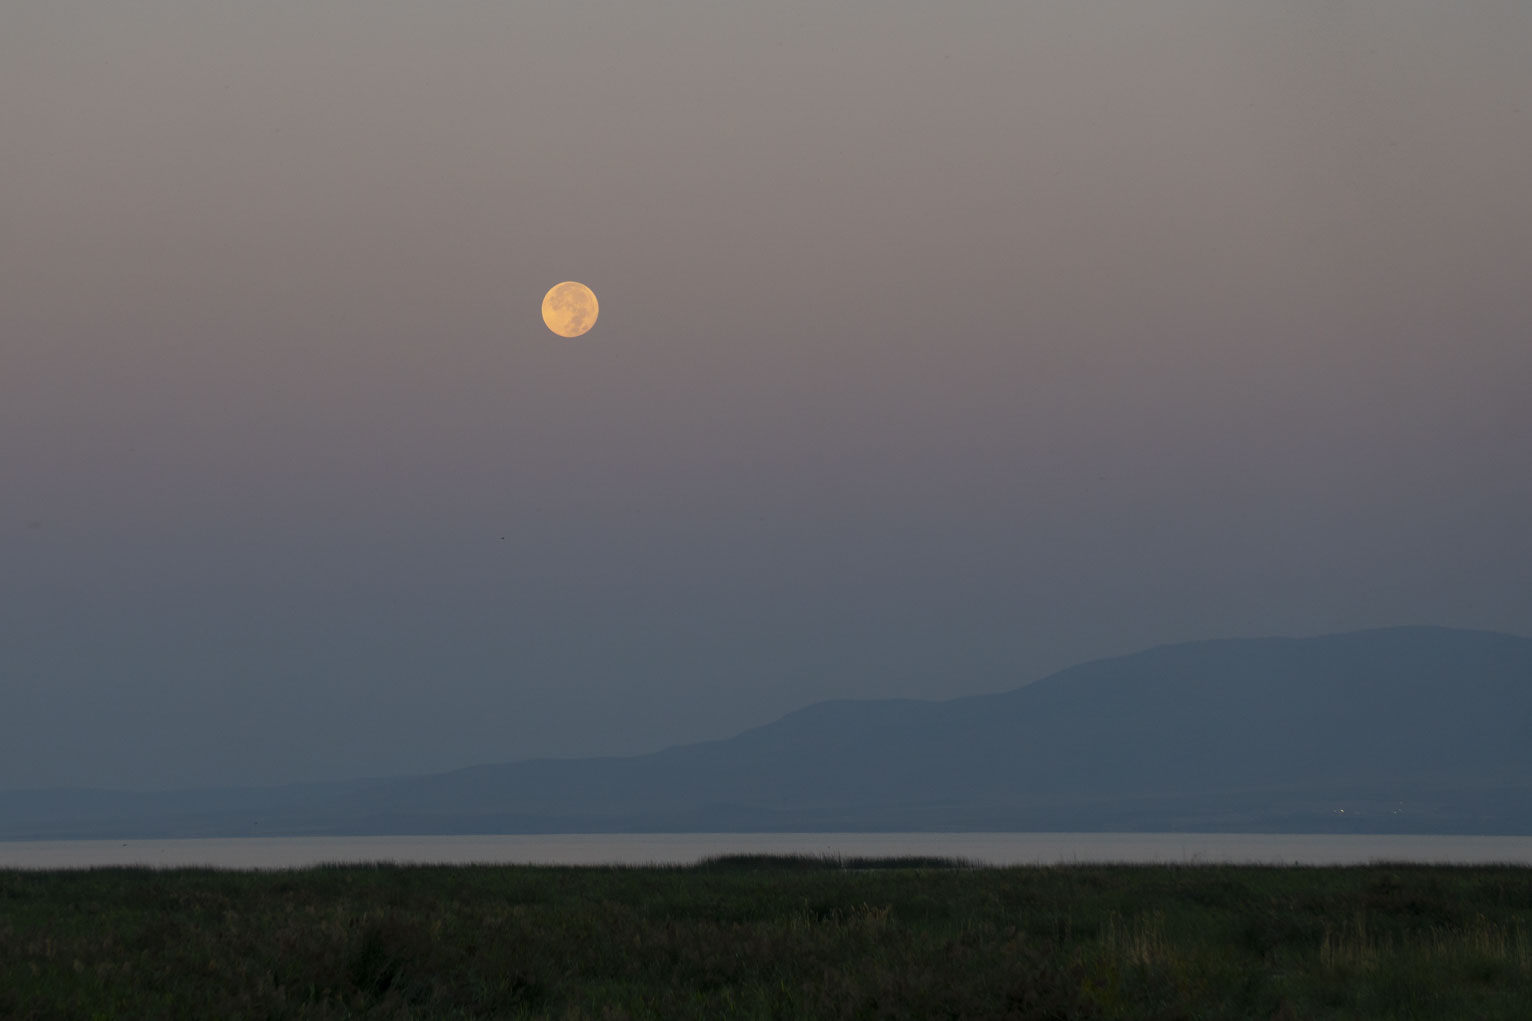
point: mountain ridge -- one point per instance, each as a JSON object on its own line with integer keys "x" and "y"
{"x": 1410, "y": 729}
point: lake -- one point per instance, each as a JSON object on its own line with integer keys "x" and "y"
{"x": 686, "y": 848}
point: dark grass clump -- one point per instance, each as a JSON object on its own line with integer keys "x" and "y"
{"x": 810, "y": 862}
{"x": 761, "y": 937}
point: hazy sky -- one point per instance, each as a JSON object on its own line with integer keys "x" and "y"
{"x": 941, "y": 345}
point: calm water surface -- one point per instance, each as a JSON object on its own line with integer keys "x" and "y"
{"x": 685, "y": 848}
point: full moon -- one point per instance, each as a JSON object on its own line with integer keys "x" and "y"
{"x": 570, "y": 308}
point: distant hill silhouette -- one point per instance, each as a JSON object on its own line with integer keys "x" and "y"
{"x": 1398, "y": 730}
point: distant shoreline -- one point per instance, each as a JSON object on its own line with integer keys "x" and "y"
{"x": 683, "y": 849}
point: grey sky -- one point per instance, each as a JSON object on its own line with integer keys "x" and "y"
{"x": 941, "y": 345}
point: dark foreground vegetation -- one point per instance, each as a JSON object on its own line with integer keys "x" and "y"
{"x": 769, "y": 937}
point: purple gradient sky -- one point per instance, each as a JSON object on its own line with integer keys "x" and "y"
{"x": 941, "y": 346}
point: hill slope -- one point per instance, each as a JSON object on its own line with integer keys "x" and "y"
{"x": 1403, "y": 730}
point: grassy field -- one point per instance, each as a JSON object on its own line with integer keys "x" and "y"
{"x": 769, "y": 937}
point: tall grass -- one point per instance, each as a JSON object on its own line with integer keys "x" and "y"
{"x": 756, "y": 937}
